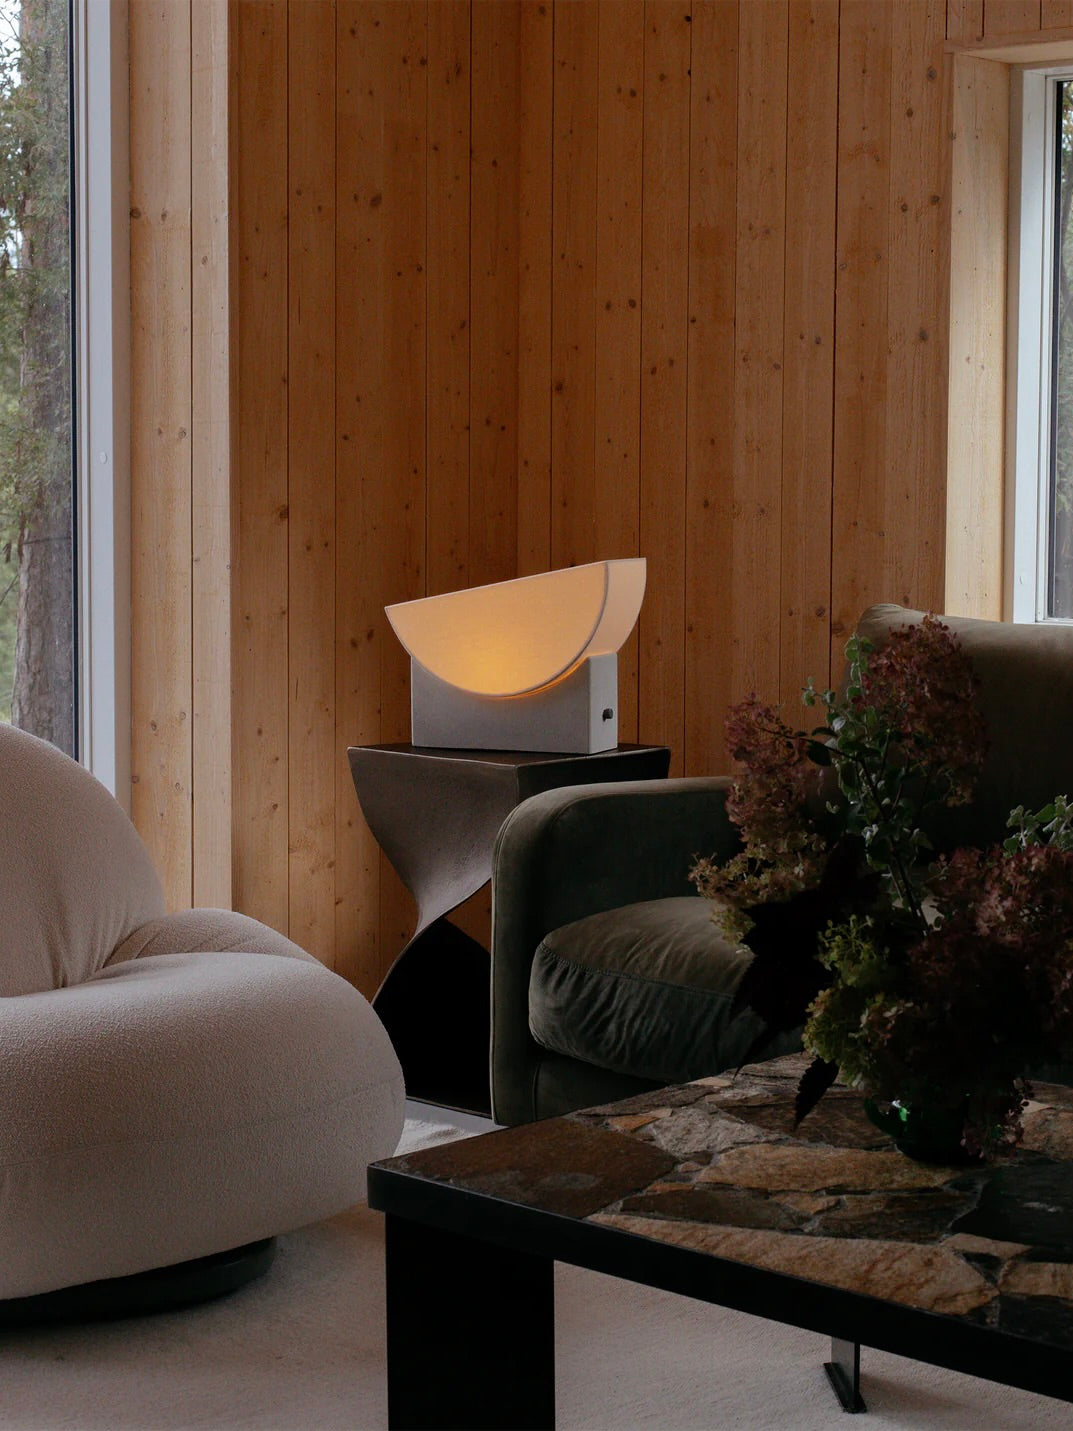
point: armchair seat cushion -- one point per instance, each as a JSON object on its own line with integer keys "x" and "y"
{"x": 646, "y": 989}
{"x": 179, "y": 1105}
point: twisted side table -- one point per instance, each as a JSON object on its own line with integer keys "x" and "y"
{"x": 435, "y": 814}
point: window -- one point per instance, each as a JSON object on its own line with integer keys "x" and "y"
{"x": 1040, "y": 417}
{"x": 63, "y": 335}
{"x": 37, "y": 609}
{"x": 102, "y": 280}
{"x": 1058, "y": 557}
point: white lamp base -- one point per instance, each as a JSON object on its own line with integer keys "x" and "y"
{"x": 576, "y": 715}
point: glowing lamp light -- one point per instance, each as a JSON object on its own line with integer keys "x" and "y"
{"x": 530, "y": 664}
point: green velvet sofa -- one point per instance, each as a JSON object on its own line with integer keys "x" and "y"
{"x": 608, "y": 977}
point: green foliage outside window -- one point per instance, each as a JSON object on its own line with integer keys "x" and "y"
{"x": 36, "y": 483}
{"x": 1060, "y": 595}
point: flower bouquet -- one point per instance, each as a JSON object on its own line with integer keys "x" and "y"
{"x": 930, "y": 983}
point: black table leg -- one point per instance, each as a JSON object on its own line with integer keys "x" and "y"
{"x": 844, "y": 1374}
{"x": 470, "y": 1333}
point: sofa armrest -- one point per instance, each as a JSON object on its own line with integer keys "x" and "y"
{"x": 571, "y": 852}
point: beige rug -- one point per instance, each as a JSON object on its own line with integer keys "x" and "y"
{"x": 303, "y": 1350}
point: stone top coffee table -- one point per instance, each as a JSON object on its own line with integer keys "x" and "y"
{"x": 707, "y": 1190}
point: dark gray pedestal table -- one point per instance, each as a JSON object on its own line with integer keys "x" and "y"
{"x": 436, "y": 814}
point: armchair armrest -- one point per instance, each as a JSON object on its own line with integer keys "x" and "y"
{"x": 575, "y": 851}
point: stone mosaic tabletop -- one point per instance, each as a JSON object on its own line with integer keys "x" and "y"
{"x": 716, "y": 1166}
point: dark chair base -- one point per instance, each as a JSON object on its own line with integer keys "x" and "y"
{"x": 162, "y": 1289}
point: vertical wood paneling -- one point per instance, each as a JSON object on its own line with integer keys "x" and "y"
{"x": 401, "y": 479}
{"x": 381, "y": 140}
{"x": 617, "y": 396}
{"x": 311, "y": 745}
{"x": 514, "y": 285}
{"x": 808, "y": 379}
{"x": 710, "y": 454}
{"x": 964, "y": 20}
{"x": 535, "y": 146}
{"x": 573, "y": 296}
{"x": 161, "y": 419}
{"x": 1056, "y": 14}
{"x": 979, "y": 198}
{"x": 861, "y": 433}
{"x": 664, "y": 343}
{"x": 259, "y": 481}
{"x": 756, "y": 575}
{"x": 1011, "y": 17}
{"x": 918, "y": 304}
{"x": 493, "y": 476}
{"x": 448, "y": 398}
{"x": 362, "y": 396}
{"x": 210, "y": 476}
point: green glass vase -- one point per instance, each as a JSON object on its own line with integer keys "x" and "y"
{"x": 929, "y": 1133}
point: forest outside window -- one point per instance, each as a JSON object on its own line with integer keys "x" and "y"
{"x": 1040, "y": 445}
{"x": 64, "y": 362}
{"x": 38, "y": 641}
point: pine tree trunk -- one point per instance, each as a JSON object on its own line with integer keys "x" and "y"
{"x": 42, "y": 699}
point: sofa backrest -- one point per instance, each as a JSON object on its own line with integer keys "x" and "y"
{"x": 1026, "y": 695}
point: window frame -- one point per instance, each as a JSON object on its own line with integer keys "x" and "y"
{"x": 101, "y": 280}
{"x": 1030, "y": 318}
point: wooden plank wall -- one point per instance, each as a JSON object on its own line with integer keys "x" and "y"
{"x": 520, "y": 284}
{"x": 180, "y": 445}
{"x": 976, "y": 438}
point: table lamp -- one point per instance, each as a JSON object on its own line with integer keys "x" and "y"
{"x": 529, "y": 664}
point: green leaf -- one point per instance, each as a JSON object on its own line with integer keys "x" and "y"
{"x": 815, "y": 1081}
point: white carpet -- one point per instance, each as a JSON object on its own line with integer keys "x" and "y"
{"x": 303, "y": 1350}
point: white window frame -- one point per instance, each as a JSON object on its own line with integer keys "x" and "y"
{"x": 1029, "y": 327}
{"x": 102, "y": 380}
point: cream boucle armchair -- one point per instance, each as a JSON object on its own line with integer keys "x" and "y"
{"x": 172, "y": 1087}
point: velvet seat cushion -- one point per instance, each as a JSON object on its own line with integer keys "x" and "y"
{"x": 646, "y": 989}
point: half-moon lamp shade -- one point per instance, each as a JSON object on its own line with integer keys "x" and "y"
{"x": 519, "y": 636}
